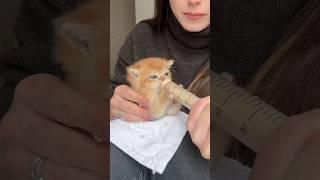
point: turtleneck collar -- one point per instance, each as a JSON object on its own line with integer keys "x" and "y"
{"x": 193, "y": 40}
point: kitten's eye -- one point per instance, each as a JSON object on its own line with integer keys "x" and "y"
{"x": 153, "y": 77}
{"x": 166, "y": 74}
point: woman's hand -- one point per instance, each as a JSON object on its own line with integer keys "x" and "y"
{"x": 41, "y": 122}
{"x": 199, "y": 125}
{"x": 292, "y": 151}
{"x": 128, "y": 105}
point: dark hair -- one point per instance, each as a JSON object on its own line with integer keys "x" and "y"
{"x": 289, "y": 80}
{"x": 161, "y": 13}
{"x": 200, "y": 85}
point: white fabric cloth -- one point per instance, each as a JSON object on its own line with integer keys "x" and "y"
{"x": 230, "y": 169}
{"x": 151, "y": 143}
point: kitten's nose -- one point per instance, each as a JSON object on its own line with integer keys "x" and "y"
{"x": 162, "y": 78}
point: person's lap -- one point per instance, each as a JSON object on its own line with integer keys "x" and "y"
{"x": 186, "y": 164}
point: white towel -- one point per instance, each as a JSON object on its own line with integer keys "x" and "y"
{"x": 151, "y": 143}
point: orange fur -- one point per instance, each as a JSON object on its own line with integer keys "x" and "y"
{"x": 139, "y": 76}
{"x": 86, "y": 70}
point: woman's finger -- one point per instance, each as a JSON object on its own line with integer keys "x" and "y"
{"x": 53, "y": 140}
{"x": 126, "y": 117}
{"x": 195, "y": 112}
{"x": 201, "y": 127}
{"x": 130, "y": 108}
{"x": 283, "y": 138}
{"x": 205, "y": 148}
{"x": 20, "y": 162}
{"x": 307, "y": 162}
{"x": 129, "y": 94}
{"x": 52, "y": 98}
{"x": 132, "y": 118}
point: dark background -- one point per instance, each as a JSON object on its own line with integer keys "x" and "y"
{"x": 8, "y": 12}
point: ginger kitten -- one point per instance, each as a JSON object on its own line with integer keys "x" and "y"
{"x": 145, "y": 77}
{"x": 81, "y": 47}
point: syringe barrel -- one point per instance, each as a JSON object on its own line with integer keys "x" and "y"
{"x": 180, "y": 94}
{"x": 244, "y": 116}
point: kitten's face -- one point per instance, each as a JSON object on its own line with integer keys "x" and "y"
{"x": 149, "y": 73}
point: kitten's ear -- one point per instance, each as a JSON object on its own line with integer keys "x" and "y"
{"x": 133, "y": 72}
{"x": 79, "y": 36}
{"x": 170, "y": 62}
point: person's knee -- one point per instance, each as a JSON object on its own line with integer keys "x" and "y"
{"x": 122, "y": 166}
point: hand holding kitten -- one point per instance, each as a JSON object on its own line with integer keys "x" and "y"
{"x": 125, "y": 99}
{"x": 49, "y": 119}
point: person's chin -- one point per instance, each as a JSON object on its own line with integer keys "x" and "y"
{"x": 194, "y": 27}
